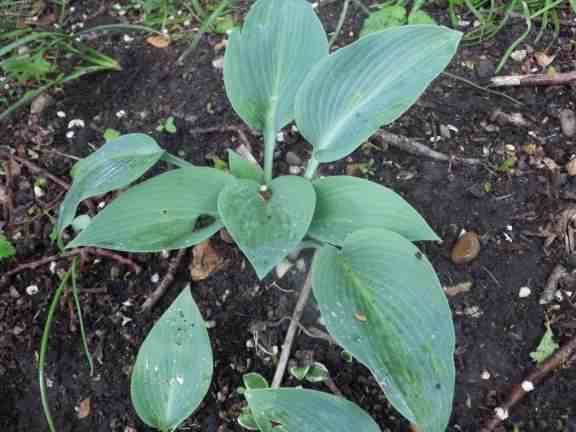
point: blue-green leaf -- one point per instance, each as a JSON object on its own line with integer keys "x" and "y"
{"x": 346, "y": 204}
{"x": 115, "y": 165}
{"x": 267, "y": 225}
{"x": 300, "y": 410}
{"x": 381, "y": 301}
{"x": 358, "y": 89}
{"x": 174, "y": 366}
{"x": 244, "y": 169}
{"x": 160, "y": 213}
{"x": 266, "y": 62}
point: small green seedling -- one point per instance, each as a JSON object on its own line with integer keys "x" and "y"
{"x": 314, "y": 373}
{"x": 167, "y": 126}
{"x": 7, "y": 250}
{"x": 111, "y": 134}
{"x": 378, "y": 295}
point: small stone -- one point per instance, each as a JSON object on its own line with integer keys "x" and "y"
{"x": 524, "y": 292}
{"x": 485, "y": 375}
{"x": 466, "y": 249}
{"x": 571, "y": 168}
{"x": 568, "y": 122}
{"x": 294, "y": 170}
{"x": 32, "y": 290}
{"x": 501, "y": 413}
{"x": 293, "y": 159}
{"x": 61, "y": 114}
{"x": 485, "y": 69}
{"x": 218, "y": 63}
{"x": 155, "y": 278}
{"x": 519, "y": 55}
{"x": 41, "y": 103}
{"x": 527, "y": 386}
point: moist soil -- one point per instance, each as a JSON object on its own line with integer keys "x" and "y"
{"x": 496, "y": 329}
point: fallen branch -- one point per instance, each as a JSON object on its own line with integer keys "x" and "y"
{"x": 289, "y": 340}
{"x": 519, "y": 391}
{"x": 410, "y": 146}
{"x": 74, "y": 252}
{"x": 164, "y": 284}
{"x": 559, "y": 78}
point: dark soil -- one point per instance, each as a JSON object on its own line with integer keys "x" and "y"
{"x": 496, "y": 330}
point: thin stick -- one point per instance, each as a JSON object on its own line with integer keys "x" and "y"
{"x": 479, "y": 87}
{"x": 415, "y": 148}
{"x": 74, "y": 252}
{"x": 289, "y": 340}
{"x": 519, "y": 391}
{"x": 33, "y": 167}
{"x": 560, "y": 78}
{"x": 164, "y": 284}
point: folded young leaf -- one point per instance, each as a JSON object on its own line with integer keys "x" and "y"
{"x": 368, "y": 84}
{"x": 116, "y": 164}
{"x": 268, "y": 224}
{"x": 244, "y": 169}
{"x": 160, "y": 213}
{"x": 346, "y": 204}
{"x": 266, "y": 62}
{"x": 381, "y": 300}
{"x": 174, "y": 366}
{"x": 300, "y": 410}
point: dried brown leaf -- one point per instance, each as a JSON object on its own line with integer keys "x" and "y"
{"x": 205, "y": 261}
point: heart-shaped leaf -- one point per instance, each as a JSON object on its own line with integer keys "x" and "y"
{"x": 267, "y": 61}
{"x": 160, "y": 213}
{"x": 244, "y": 169}
{"x": 300, "y": 410}
{"x": 267, "y": 224}
{"x": 116, "y": 164}
{"x": 381, "y": 300}
{"x": 174, "y": 366}
{"x": 356, "y": 90}
{"x": 346, "y": 204}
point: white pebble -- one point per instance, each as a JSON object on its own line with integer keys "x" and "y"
{"x": 101, "y": 204}
{"x": 70, "y": 134}
{"x": 127, "y": 38}
{"x": 527, "y": 386}
{"x": 76, "y": 123}
{"x": 38, "y": 192}
{"x": 61, "y": 114}
{"x": 155, "y": 278}
{"x": 280, "y": 137}
{"x": 294, "y": 170}
{"x": 501, "y": 413}
{"x": 121, "y": 114}
{"x": 524, "y": 292}
{"x": 32, "y": 290}
{"x": 485, "y": 375}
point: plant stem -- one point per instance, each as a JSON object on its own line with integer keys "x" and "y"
{"x": 341, "y": 20}
{"x": 80, "y": 318}
{"x": 311, "y": 168}
{"x": 289, "y": 340}
{"x": 269, "y": 143}
{"x": 44, "y": 348}
{"x": 175, "y": 160}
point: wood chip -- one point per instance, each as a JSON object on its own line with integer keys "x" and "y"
{"x": 84, "y": 408}
{"x": 158, "y": 41}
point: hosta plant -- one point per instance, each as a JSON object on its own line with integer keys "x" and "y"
{"x": 378, "y": 295}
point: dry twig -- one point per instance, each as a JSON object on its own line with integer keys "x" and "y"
{"x": 289, "y": 340}
{"x": 74, "y": 252}
{"x": 560, "y": 357}
{"x": 417, "y": 149}
{"x": 560, "y": 78}
{"x": 165, "y": 283}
